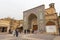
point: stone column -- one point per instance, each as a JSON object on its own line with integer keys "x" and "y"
{"x": 41, "y": 22}
{"x": 57, "y": 30}
{"x": 8, "y": 29}
{"x": 25, "y": 24}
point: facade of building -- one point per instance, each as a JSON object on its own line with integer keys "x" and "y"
{"x": 41, "y": 19}
{"x": 8, "y": 23}
{"x": 4, "y": 25}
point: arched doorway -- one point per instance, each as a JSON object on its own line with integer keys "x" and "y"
{"x": 51, "y": 27}
{"x": 32, "y": 22}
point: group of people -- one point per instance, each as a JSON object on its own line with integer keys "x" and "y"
{"x": 14, "y": 32}
{"x": 29, "y": 31}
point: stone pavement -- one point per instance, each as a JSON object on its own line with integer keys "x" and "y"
{"x": 38, "y": 36}
{"x": 29, "y": 37}
{"x": 57, "y": 38}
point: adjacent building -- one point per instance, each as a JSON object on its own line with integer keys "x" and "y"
{"x": 7, "y": 24}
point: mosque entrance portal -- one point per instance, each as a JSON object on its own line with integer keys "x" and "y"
{"x": 32, "y": 22}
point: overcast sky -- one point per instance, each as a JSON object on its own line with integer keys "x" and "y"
{"x": 15, "y": 8}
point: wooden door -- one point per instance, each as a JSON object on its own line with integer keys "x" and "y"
{"x": 35, "y": 27}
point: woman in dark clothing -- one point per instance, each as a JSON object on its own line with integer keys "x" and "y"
{"x": 16, "y": 32}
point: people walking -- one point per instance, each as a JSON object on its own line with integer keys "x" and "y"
{"x": 16, "y": 31}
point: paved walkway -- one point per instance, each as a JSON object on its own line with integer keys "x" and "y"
{"x": 6, "y": 36}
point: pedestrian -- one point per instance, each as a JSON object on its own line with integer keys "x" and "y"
{"x": 16, "y": 31}
{"x": 10, "y": 31}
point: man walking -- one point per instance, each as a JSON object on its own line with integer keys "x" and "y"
{"x": 16, "y": 31}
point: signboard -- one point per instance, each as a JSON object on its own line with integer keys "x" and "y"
{"x": 51, "y": 29}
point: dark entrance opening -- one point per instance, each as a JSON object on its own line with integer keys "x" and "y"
{"x": 3, "y": 29}
{"x": 35, "y": 27}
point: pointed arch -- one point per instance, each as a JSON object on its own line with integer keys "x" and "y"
{"x": 32, "y": 21}
{"x": 50, "y": 23}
